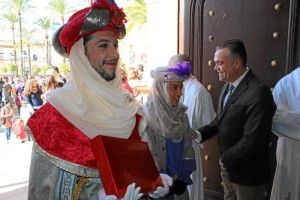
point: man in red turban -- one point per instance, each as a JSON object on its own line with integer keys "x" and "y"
{"x": 91, "y": 103}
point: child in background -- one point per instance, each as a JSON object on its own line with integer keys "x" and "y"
{"x": 19, "y": 130}
{"x": 18, "y": 102}
{"x": 26, "y": 112}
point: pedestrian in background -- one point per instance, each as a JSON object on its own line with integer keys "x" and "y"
{"x": 6, "y": 89}
{"x": 18, "y": 101}
{"x": 26, "y": 111}
{"x": 140, "y": 69}
{"x": 8, "y": 115}
{"x": 19, "y": 130}
{"x": 58, "y": 77}
{"x": 125, "y": 83}
{"x": 33, "y": 94}
{"x": 50, "y": 84}
{"x": 1, "y": 90}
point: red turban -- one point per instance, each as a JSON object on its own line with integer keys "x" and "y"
{"x": 102, "y": 15}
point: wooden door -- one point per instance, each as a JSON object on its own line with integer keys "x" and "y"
{"x": 269, "y": 30}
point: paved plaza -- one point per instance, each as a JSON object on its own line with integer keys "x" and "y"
{"x": 14, "y": 167}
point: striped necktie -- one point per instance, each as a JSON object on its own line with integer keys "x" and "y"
{"x": 229, "y": 92}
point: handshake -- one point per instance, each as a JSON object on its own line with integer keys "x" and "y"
{"x": 133, "y": 193}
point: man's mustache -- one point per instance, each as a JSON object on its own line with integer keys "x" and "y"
{"x": 114, "y": 60}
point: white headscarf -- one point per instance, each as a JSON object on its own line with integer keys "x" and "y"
{"x": 167, "y": 121}
{"x": 93, "y": 105}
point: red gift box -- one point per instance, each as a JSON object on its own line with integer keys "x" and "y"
{"x": 125, "y": 161}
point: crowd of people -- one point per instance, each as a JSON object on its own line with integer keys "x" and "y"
{"x": 177, "y": 116}
{"x": 21, "y": 99}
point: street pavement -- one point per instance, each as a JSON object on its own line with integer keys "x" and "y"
{"x": 14, "y": 167}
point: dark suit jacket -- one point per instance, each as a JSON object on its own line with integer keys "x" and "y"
{"x": 243, "y": 128}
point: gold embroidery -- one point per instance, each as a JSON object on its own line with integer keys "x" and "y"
{"x": 80, "y": 181}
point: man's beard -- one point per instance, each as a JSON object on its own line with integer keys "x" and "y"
{"x": 99, "y": 69}
{"x": 107, "y": 76}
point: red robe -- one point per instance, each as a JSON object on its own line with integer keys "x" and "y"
{"x": 59, "y": 138}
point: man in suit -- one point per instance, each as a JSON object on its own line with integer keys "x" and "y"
{"x": 243, "y": 124}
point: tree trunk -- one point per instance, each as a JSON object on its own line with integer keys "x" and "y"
{"x": 15, "y": 51}
{"x": 29, "y": 59}
{"x": 47, "y": 56}
{"x": 21, "y": 43}
{"x": 47, "y": 50}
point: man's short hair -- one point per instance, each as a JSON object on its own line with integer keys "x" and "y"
{"x": 237, "y": 49}
{"x": 140, "y": 67}
{"x": 178, "y": 58}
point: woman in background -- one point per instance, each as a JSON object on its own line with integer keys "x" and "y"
{"x": 134, "y": 81}
{"x": 9, "y": 116}
{"x": 50, "y": 84}
{"x": 33, "y": 94}
{"x": 125, "y": 83}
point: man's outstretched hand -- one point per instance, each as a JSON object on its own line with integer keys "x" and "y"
{"x": 132, "y": 193}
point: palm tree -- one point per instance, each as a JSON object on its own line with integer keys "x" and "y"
{"x": 18, "y": 6}
{"x": 11, "y": 18}
{"x": 136, "y": 14}
{"x": 62, "y": 8}
{"x": 28, "y": 42}
{"x": 45, "y": 24}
